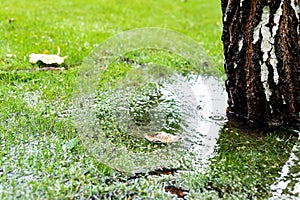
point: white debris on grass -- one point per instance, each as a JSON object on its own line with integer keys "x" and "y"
{"x": 47, "y": 58}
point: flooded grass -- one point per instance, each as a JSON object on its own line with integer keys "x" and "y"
{"x": 44, "y": 157}
{"x": 246, "y": 163}
{"x": 34, "y": 163}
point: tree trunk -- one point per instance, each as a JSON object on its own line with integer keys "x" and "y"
{"x": 262, "y": 60}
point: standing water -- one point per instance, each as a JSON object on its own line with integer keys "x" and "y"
{"x": 184, "y": 108}
{"x": 113, "y": 115}
{"x": 287, "y": 186}
{"x": 113, "y": 119}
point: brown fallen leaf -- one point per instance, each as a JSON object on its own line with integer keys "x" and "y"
{"x": 162, "y": 137}
{"x": 118, "y": 170}
{"x": 176, "y": 190}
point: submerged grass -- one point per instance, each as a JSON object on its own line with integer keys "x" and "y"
{"x": 38, "y": 158}
{"x": 244, "y": 166}
{"x": 41, "y": 155}
{"x": 246, "y": 163}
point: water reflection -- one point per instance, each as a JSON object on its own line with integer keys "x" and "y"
{"x": 112, "y": 128}
{"x": 128, "y": 150}
{"x": 287, "y": 186}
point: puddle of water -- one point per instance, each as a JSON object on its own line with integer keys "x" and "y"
{"x": 189, "y": 107}
{"x": 197, "y": 105}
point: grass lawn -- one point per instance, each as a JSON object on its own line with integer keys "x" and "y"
{"x": 42, "y": 156}
{"x": 77, "y": 26}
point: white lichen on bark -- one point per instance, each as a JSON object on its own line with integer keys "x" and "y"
{"x": 264, "y": 74}
{"x": 267, "y": 46}
{"x": 241, "y": 3}
{"x": 241, "y": 42}
{"x": 276, "y": 19}
{"x": 234, "y": 65}
{"x": 296, "y": 6}
{"x": 225, "y": 18}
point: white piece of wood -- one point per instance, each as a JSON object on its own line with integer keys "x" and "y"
{"x": 47, "y": 58}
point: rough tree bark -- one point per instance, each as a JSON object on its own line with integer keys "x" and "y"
{"x": 262, "y": 60}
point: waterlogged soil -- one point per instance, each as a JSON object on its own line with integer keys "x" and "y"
{"x": 214, "y": 159}
{"x": 246, "y": 166}
{"x": 287, "y": 185}
{"x": 261, "y": 155}
{"x": 192, "y": 111}
{"x": 230, "y": 162}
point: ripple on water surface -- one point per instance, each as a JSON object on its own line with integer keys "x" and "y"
{"x": 191, "y": 108}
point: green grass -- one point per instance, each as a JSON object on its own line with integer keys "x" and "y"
{"x": 77, "y": 26}
{"x": 246, "y": 164}
{"x": 41, "y": 154}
